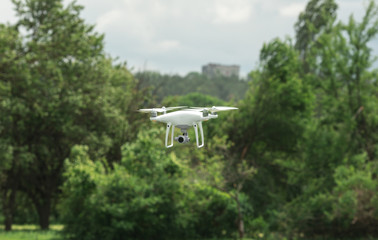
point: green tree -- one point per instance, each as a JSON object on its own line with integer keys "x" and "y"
{"x": 318, "y": 18}
{"x": 160, "y": 86}
{"x": 269, "y": 126}
{"x": 197, "y": 207}
{"x": 340, "y": 139}
{"x": 271, "y": 116}
{"x": 358, "y": 79}
{"x": 10, "y": 44}
{"x": 151, "y": 193}
{"x": 60, "y": 90}
{"x": 194, "y": 99}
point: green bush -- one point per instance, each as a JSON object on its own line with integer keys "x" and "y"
{"x": 348, "y": 209}
{"x": 145, "y": 196}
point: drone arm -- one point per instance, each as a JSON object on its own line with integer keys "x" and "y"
{"x": 196, "y": 132}
{"x": 167, "y": 134}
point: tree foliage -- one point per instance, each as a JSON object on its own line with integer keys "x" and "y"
{"x": 162, "y": 85}
{"x": 298, "y": 159}
{"x": 58, "y": 89}
{"x": 148, "y": 195}
{"x": 303, "y": 125}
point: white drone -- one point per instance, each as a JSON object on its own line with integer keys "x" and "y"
{"x": 184, "y": 119}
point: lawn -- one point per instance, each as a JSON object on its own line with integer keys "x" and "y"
{"x": 31, "y": 232}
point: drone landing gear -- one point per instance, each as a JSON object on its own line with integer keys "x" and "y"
{"x": 184, "y": 138}
{"x": 167, "y": 133}
{"x": 196, "y": 132}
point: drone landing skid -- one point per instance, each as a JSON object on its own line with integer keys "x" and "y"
{"x": 196, "y": 132}
{"x": 167, "y": 133}
{"x": 184, "y": 138}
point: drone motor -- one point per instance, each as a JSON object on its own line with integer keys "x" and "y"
{"x": 153, "y": 114}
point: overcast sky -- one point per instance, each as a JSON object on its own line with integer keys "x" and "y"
{"x": 179, "y": 36}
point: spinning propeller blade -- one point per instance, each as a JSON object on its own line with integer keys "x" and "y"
{"x": 214, "y": 109}
{"x": 163, "y": 109}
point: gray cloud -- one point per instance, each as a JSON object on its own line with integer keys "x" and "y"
{"x": 178, "y": 36}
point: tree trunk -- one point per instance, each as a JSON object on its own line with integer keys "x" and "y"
{"x": 241, "y": 228}
{"x": 240, "y": 217}
{"x": 44, "y": 214}
{"x": 8, "y": 208}
{"x": 8, "y": 222}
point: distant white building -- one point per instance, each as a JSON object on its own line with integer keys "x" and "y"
{"x": 213, "y": 70}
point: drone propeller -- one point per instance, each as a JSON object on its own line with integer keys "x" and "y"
{"x": 214, "y": 109}
{"x": 163, "y": 109}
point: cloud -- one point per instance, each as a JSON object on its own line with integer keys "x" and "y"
{"x": 181, "y": 36}
{"x": 236, "y": 11}
{"x": 6, "y": 12}
{"x": 178, "y": 36}
{"x": 292, "y": 10}
{"x": 167, "y": 45}
{"x": 108, "y": 19}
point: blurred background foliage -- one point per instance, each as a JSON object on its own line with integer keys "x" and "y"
{"x": 298, "y": 159}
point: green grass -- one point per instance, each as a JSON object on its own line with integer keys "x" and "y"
{"x": 31, "y": 232}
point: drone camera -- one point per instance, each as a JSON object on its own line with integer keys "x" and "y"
{"x": 182, "y": 139}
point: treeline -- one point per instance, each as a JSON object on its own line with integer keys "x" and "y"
{"x": 162, "y": 85}
{"x": 297, "y": 160}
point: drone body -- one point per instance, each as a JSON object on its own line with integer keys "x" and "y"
{"x": 184, "y": 119}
